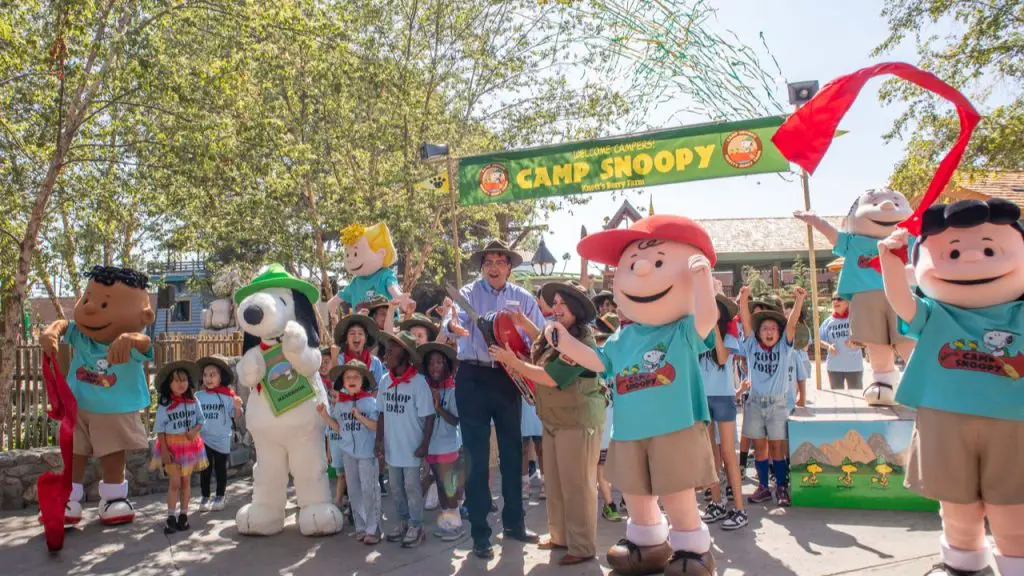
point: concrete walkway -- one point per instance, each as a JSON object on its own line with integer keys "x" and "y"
{"x": 776, "y": 543}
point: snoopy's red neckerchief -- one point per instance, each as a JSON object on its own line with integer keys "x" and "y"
{"x": 806, "y": 135}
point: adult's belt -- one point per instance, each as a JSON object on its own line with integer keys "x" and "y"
{"x": 481, "y": 363}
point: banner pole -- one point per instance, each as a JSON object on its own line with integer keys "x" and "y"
{"x": 813, "y": 261}
{"x": 454, "y": 196}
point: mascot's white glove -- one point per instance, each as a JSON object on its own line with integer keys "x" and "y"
{"x": 294, "y": 342}
{"x": 251, "y": 368}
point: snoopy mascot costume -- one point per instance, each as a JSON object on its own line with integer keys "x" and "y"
{"x": 280, "y": 361}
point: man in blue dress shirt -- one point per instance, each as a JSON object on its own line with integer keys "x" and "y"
{"x": 485, "y": 393}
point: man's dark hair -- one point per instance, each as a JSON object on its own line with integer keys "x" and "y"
{"x": 108, "y": 275}
{"x": 966, "y": 214}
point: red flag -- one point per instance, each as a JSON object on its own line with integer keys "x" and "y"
{"x": 806, "y": 135}
{"x": 54, "y": 489}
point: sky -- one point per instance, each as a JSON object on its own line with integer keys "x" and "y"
{"x": 812, "y": 40}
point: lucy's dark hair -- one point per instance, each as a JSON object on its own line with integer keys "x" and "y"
{"x": 305, "y": 315}
{"x": 164, "y": 387}
{"x": 108, "y": 275}
{"x": 966, "y": 214}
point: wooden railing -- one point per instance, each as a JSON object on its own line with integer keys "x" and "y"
{"x": 28, "y": 424}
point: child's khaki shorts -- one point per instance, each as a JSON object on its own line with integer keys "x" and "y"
{"x": 962, "y": 459}
{"x": 664, "y": 464}
{"x": 873, "y": 321}
{"x": 101, "y": 434}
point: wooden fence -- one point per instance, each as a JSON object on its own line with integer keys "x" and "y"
{"x": 28, "y": 425}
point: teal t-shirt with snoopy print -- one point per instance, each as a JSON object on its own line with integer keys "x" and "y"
{"x": 654, "y": 375}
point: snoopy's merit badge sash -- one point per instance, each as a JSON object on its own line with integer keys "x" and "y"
{"x": 284, "y": 387}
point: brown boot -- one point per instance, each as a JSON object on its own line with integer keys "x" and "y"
{"x": 629, "y": 559}
{"x": 685, "y": 563}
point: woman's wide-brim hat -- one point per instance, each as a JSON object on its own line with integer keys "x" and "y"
{"x": 422, "y": 320}
{"x": 360, "y": 319}
{"x": 731, "y": 308}
{"x": 767, "y": 303}
{"x": 227, "y": 375}
{"x": 167, "y": 369}
{"x": 607, "y": 324}
{"x": 606, "y": 247}
{"x": 339, "y": 371}
{"x": 602, "y": 296}
{"x": 275, "y": 276}
{"x": 763, "y": 315}
{"x": 406, "y": 341}
{"x": 495, "y": 247}
{"x": 450, "y": 353}
{"x": 570, "y": 289}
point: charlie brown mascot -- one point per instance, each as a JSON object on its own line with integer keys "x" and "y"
{"x": 964, "y": 378}
{"x": 659, "y": 444}
{"x": 108, "y": 379}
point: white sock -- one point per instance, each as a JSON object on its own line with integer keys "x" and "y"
{"x": 110, "y": 492}
{"x": 647, "y": 535}
{"x": 967, "y": 560}
{"x": 1010, "y": 565}
{"x": 697, "y": 541}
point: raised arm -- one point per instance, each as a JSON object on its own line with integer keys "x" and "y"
{"x": 799, "y": 293}
{"x": 570, "y": 347}
{"x": 705, "y": 314}
{"x": 51, "y": 335}
{"x": 721, "y": 352}
{"x": 744, "y": 304}
{"x": 827, "y": 230}
{"x": 454, "y": 320}
{"x": 894, "y": 276}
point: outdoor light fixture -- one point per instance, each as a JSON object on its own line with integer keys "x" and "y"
{"x": 801, "y": 92}
{"x": 430, "y": 152}
{"x": 543, "y": 260}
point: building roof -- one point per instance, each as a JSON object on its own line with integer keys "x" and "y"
{"x": 1006, "y": 185}
{"x": 764, "y": 235}
{"x": 626, "y": 211}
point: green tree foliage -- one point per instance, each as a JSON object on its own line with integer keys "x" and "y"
{"x": 983, "y": 55}
{"x": 759, "y": 287}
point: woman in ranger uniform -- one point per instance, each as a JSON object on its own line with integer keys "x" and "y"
{"x": 572, "y": 409}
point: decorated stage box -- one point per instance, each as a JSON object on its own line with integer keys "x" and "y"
{"x": 844, "y": 454}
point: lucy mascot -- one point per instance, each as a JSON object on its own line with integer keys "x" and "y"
{"x": 108, "y": 381}
{"x": 967, "y": 315}
{"x": 659, "y": 444}
{"x": 369, "y": 255}
{"x": 281, "y": 360}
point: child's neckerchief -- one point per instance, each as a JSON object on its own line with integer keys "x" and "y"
{"x": 177, "y": 400}
{"x": 842, "y": 316}
{"x": 343, "y": 397}
{"x": 448, "y": 382}
{"x": 363, "y": 356}
{"x": 733, "y": 329}
{"x": 405, "y": 377}
{"x": 223, "y": 390}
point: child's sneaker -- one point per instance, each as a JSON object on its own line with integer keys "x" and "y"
{"x": 413, "y": 537}
{"x": 383, "y": 486}
{"x": 205, "y": 504}
{"x": 707, "y": 495}
{"x": 610, "y": 513}
{"x": 398, "y": 533}
{"x": 714, "y": 512}
{"x": 762, "y": 494}
{"x": 782, "y": 496}
{"x": 183, "y": 524}
{"x": 360, "y": 536}
{"x": 432, "y": 501}
{"x": 371, "y": 539}
{"x": 622, "y": 508}
{"x": 172, "y": 525}
{"x": 218, "y": 504}
{"x": 735, "y": 520}
{"x": 728, "y": 492}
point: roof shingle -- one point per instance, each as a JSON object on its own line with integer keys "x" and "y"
{"x": 752, "y": 235}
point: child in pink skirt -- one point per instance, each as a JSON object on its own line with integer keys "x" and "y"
{"x": 179, "y": 448}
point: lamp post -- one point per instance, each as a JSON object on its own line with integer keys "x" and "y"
{"x": 799, "y": 94}
{"x": 433, "y": 153}
{"x": 543, "y": 261}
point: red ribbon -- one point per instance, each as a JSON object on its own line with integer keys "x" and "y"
{"x": 363, "y": 357}
{"x": 178, "y": 401}
{"x": 806, "y": 135}
{"x": 342, "y": 397}
{"x": 224, "y": 390}
{"x": 53, "y": 488}
{"x": 405, "y": 377}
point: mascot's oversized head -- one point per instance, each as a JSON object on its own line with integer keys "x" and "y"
{"x": 876, "y": 213}
{"x": 115, "y": 302}
{"x": 367, "y": 249}
{"x": 971, "y": 253}
{"x": 272, "y": 299}
{"x": 653, "y": 284}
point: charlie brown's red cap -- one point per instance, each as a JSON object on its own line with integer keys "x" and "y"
{"x": 607, "y": 247}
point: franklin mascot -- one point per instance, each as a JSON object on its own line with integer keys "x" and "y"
{"x": 967, "y": 316}
{"x": 369, "y": 255}
{"x": 280, "y": 360}
{"x": 659, "y": 445}
{"x": 107, "y": 378}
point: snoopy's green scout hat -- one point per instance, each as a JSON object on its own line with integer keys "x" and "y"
{"x": 275, "y": 276}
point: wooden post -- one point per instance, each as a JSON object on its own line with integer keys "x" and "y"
{"x": 454, "y": 195}
{"x": 813, "y": 260}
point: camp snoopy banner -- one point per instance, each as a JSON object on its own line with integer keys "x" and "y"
{"x": 685, "y": 154}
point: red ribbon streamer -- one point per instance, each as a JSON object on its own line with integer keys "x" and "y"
{"x": 806, "y": 135}
{"x": 53, "y": 488}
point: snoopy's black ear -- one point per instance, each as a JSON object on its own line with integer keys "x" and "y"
{"x": 306, "y": 316}
{"x": 249, "y": 341}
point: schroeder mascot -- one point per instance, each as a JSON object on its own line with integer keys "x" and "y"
{"x": 280, "y": 361}
{"x": 964, "y": 378}
{"x": 369, "y": 255}
{"x": 108, "y": 379}
{"x": 873, "y": 216}
{"x": 659, "y": 445}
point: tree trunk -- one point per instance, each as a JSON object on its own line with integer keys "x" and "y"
{"x": 53, "y": 296}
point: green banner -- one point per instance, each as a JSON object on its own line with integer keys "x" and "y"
{"x": 662, "y": 157}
